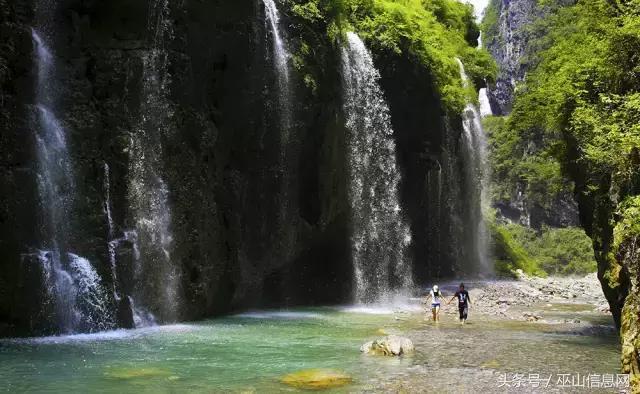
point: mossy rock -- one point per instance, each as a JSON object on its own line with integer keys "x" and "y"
{"x": 137, "y": 373}
{"x": 492, "y": 364}
{"x": 317, "y": 379}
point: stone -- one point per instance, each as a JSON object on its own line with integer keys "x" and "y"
{"x": 492, "y": 364}
{"x": 316, "y": 379}
{"x": 531, "y": 316}
{"x": 391, "y": 345}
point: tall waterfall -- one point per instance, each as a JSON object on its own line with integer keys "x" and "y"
{"x": 285, "y": 232}
{"x": 72, "y": 285}
{"x": 479, "y": 7}
{"x": 477, "y": 175}
{"x": 281, "y": 62}
{"x": 156, "y": 275}
{"x": 380, "y": 235}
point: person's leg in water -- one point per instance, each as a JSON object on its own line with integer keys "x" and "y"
{"x": 435, "y": 311}
{"x": 461, "y": 313}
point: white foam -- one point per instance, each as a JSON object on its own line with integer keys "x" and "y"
{"x": 382, "y": 309}
{"x": 279, "y": 315}
{"x": 114, "y": 335}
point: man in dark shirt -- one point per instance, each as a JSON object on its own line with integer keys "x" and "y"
{"x": 463, "y": 302}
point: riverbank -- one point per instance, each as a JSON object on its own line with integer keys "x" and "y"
{"x": 526, "y": 335}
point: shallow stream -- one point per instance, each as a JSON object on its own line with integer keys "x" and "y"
{"x": 251, "y": 352}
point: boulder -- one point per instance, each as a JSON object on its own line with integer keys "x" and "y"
{"x": 391, "y": 345}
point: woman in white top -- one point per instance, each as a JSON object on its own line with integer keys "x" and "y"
{"x": 435, "y": 302}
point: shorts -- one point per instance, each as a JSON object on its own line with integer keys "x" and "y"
{"x": 463, "y": 309}
{"x": 436, "y": 305}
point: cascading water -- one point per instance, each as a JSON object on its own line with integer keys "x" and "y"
{"x": 485, "y": 106}
{"x": 55, "y": 172}
{"x": 155, "y": 273}
{"x": 80, "y": 304}
{"x": 380, "y": 235}
{"x": 91, "y": 297}
{"x": 281, "y": 61}
{"x": 107, "y": 199}
{"x": 477, "y": 175}
{"x": 479, "y": 7}
{"x": 287, "y": 212}
{"x": 112, "y": 243}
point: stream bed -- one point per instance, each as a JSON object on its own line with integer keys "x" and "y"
{"x": 251, "y": 352}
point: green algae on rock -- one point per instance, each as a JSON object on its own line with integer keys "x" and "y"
{"x": 317, "y": 379}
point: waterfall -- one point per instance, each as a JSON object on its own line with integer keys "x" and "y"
{"x": 477, "y": 175}
{"x": 56, "y": 184}
{"x": 285, "y": 232}
{"x": 107, "y": 199}
{"x": 280, "y": 59}
{"x": 148, "y": 193}
{"x": 91, "y": 299}
{"x": 73, "y": 286}
{"x": 379, "y": 234}
{"x": 479, "y": 7}
{"x": 112, "y": 243}
{"x": 485, "y": 106}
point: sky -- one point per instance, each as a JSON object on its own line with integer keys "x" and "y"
{"x": 479, "y": 6}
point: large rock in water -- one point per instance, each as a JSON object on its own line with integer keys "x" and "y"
{"x": 316, "y": 379}
{"x": 391, "y": 345}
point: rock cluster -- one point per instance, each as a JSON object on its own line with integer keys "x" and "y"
{"x": 508, "y": 298}
{"x": 391, "y": 345}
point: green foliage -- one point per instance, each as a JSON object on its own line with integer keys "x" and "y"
{"x": 308, "y": 11}
{"x": 579, "y": 109}
{"x": 510, "y": 254}
{"x": 523, "y": 157}
{"x": 585, "y": 84}
{"x": 553, "y": 251}
{"x": 489, "y": 26}
{"x": 434, "y": 32}
{"x": 628, "y": 225}
{"x": 582, "y": 94}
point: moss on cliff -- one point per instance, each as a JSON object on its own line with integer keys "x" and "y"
{"x": 510, "y": 254}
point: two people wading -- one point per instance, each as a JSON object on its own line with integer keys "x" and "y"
{"x": 461, "y": 295}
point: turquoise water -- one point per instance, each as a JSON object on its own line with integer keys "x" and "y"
{"x": 251, "y": 353}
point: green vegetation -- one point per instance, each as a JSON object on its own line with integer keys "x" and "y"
{"x": 433, "y": 32}
{"x": 580, "y": 108}
{"x": 525, "y": 158}
{"x": 489, "y": 24}
{"x": 510, "y": 254}
{"x": 553, "y": 251}
{"x": 582, "y": 94}
{"x": 576, "y": 121}
{"x": 628, "y": 225}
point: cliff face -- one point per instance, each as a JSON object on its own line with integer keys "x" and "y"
{"x": 254, "y": 222}
{"x": 509, "y": 30}
{"x": 609, "y": 215}
{"x": 605, "y": 174}
{"x": 221, "y": 159}
{"x": 506, "y": 38}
